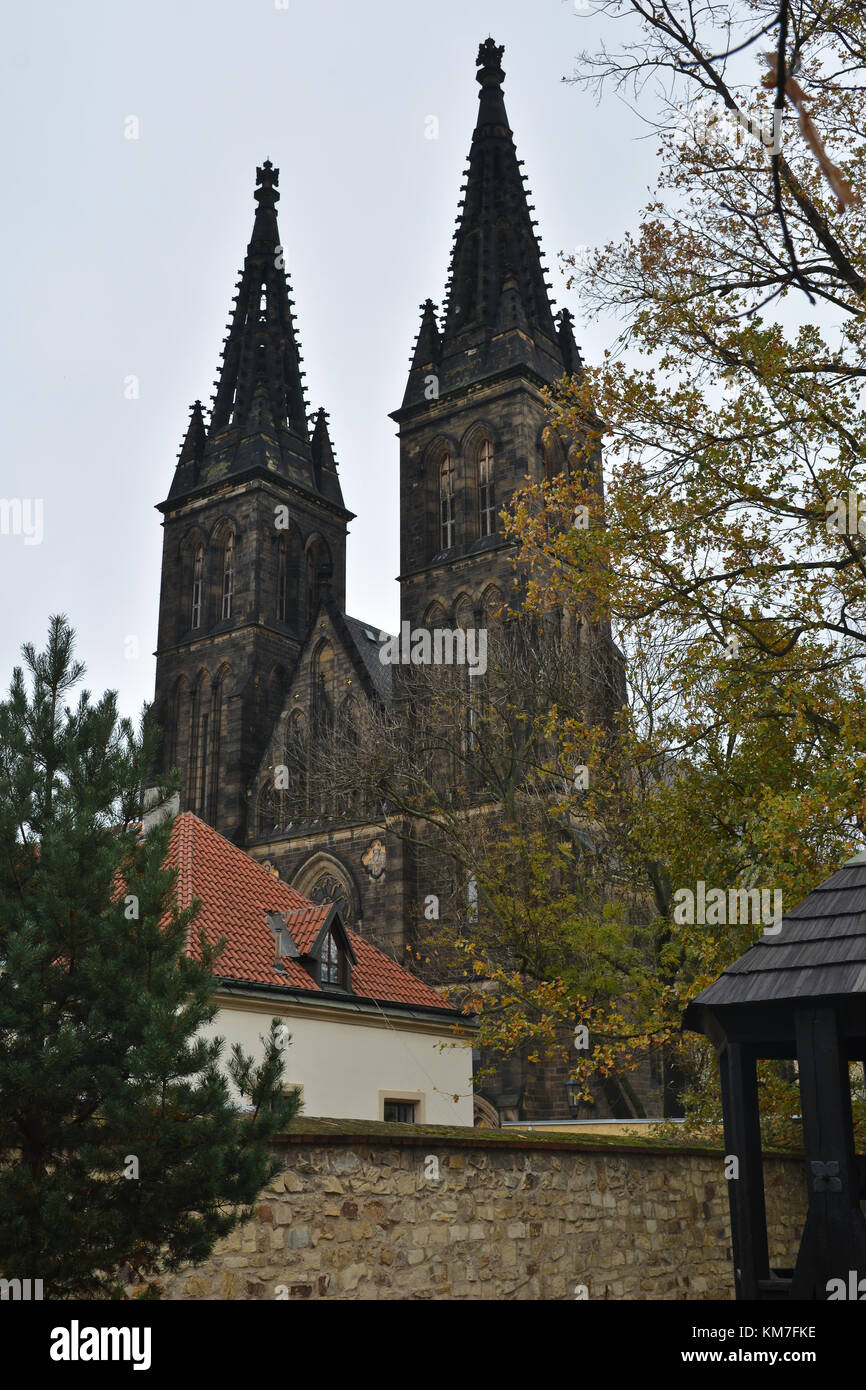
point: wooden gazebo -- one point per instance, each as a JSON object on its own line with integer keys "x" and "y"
{"x": 799, "y": 993}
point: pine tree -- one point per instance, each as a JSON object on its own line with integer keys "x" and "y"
{"x": 122, "y": 1152}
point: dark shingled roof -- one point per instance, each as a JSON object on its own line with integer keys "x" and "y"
{"x": 820, "y": 951}
{"x": 367, "y": 641}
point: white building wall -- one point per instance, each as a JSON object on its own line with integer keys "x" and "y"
{"x": 348, "y": 1068}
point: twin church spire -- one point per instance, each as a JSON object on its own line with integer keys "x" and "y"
{"x": 498, "y": 312}
{"x": 497, "y": 317}
{"x": 261, "y": 381}
{"x": 259, "y": 412}
{"x": 255, "y": 525}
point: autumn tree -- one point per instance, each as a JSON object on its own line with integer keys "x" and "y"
{"x": 728, "y": 552}
{"x": 522, "y": 917}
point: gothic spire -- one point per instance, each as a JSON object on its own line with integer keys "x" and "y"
{"x": 193, "y": 445}
{"x": 260, "y": 375}
{"x": 259, "y": 418}
{"x": 189, "y": 460}
{"x": 324, "y": 461}
{"x": 498, "y": 312}
{"x": 423, "y": 371}
{"x": 571, "y": 358}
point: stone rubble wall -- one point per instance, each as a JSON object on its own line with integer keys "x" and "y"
{"x": 354, "y": 1217}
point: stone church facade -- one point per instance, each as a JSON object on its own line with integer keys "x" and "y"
{"x": 256, "y": 654}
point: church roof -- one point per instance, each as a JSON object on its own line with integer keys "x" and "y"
{"x": 362, "y": 643}
{"x": 237, "y": 895}
{"x": 368, "y": 643}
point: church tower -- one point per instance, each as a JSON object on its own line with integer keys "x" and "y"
{"x": 254, "y": 534}
{"x": 473, "y": 422}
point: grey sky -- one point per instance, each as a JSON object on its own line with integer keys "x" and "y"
{"x": 121, "y": 254}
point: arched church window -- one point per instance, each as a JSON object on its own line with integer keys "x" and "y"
{"x": 486, "y": 498}
{"x": 464, "y": 614}
{"x": 170, "y": 723}
{"x": 312, "y": 585}
{"x": 447, "y": 526}
{"x": 283, "y": 581}
{"x": 176, "y": 724}
{"x": 551, "y": 460}
{"x": 289, "y": 597}
{"x": 323, "y": 689}
{"x": 198, "y": 768}
{"x": 349, "y": 720}
{"x": 349, "y": 734}
{"x": 269, "y": 809}
{"x": 472, "y": 897}
{"x": 493, "y": 608}
{"x": 197, "y": 567}
{"x": 435, "y": 617}
{"x": 228, "y": 575}
{"x": 471, "y": 715}
{"x": 464, "y": 618}
{"x": 295, "y": 760}
{"x": 217, "y": 703}
{"x": 319, "y": 573}
{"x": 328, "y": 889}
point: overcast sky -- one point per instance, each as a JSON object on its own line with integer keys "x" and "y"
{"x": 121, "y": 254}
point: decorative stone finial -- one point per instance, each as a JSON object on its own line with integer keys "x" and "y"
{"x": 489, "y": 60}
{"x": 267, "y": 178}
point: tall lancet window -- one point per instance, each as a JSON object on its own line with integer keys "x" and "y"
{"x": 446, "y": 503}
{"x": 228, "y": 576}
{"x": 197, "y": 565}
{"x": 282, "y": 581}
{"x": 213, "y": 790}
{"x": 486, "y": 501}
{"x": 203, "y": 765}
{"x": 324, "y": 689}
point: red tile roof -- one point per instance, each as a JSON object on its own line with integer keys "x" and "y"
{"x": 236, "y": 892}
{"x": 305, "y": 923}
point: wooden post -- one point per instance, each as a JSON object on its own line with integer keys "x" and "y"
{"x": 745, "y": 1190}
{"x": 834, "y": 1242}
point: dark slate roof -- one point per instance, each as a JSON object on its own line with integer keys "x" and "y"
{"x": 820, "y": 951}
{"x": 368, "y": 640}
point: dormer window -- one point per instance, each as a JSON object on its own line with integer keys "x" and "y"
{"x": 331, "y": 962}
{"x": 329, "y": 958}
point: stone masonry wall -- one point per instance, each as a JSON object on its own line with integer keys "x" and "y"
{"x": 359, "y": 1213}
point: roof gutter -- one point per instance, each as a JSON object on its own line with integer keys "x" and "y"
{"x": 351, "y": 1003}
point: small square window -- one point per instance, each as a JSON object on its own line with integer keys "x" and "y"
{"x": 400, "y": 1112}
